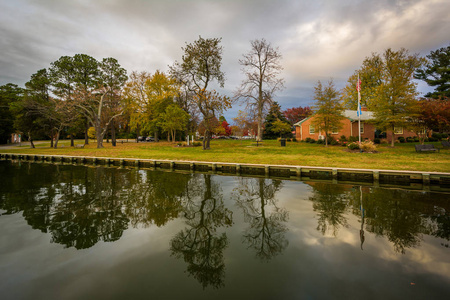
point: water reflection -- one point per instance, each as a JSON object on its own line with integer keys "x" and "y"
{"x": 199, "y": 244}
{"x": 79, "y": 206}
{"x": 401, "y": 216}
{"x": 256, "y": 197}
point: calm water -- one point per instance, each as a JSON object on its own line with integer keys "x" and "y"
{"x": 75, "y": 232}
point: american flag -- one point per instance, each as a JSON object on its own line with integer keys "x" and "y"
{"x": 358, "y": 85}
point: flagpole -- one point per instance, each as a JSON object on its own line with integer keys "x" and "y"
{"x": 358, "y": 87}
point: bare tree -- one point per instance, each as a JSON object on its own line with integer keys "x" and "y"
{"x": 261, "y": 66}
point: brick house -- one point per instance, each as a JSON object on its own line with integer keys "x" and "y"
{"x": 304, "y": 128}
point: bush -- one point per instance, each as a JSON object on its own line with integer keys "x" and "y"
{"x": 196, "y": 144}
{"x": 308, "y": 140}
{"x": 377, "y": 141}
{"x": 353, "y": 146}
{"x": 312, "y": 141}
{"x": 401, "y": 139}
{"x": 368, "y": 146}
{"x": 334, "y": 142}
{"x": 343, "y": 138}
{"x": 294, "y": 139}
{"x": 410, "y": 139}
{"x": 353, "y": 139}
{"x": 436, "y": 136}
{"x": 319, "y": 141}
{"x": 433, "y": 139}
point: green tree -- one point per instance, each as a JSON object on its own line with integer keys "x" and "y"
{"x": 261, "y": 66}
{"x": 201, "y": 66}
{"x": 275, "y": 122}
{"x": 436, "y": 72}
{"x": 9, "y": 94}
{"x": 397, "y": 92}
{"x": 174, "y": 118}
{"x": 328, "y": 108}
{"x": 387, "y": 88}
{"x": 113, "y": 78}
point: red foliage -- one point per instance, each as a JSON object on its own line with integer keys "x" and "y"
{"x": 295, "y": 114}
{"x": 227, "y": 128}
{"x": 435, "y": 113}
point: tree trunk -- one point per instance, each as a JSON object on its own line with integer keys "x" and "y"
{"x": 52, "y": 135}
{"x": 393, "y": 137}
{"x": 113, "y": 133}
{"x": 31, "y": 140}
{"x": 138, "y": 129}
{"x": 99, "y": 134}
{"x": 72, "y": 143}
{"x": 57, "y": 139}
{"x": 259, "y": 134}
{"x": 206, "y": 140}
{"x": 156, "y": 136}
{"x": 86, "y": 137}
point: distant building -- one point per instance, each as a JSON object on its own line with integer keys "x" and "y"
{"x": 304, "y": 128}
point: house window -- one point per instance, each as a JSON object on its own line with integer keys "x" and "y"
{"x": 334, "y": 130}
{"x": 361, "y": 129}
{"x": 311, "y": 129}
{"x": 398, "y": 130}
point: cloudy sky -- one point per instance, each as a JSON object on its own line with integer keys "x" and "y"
{"x": 319, "y": 39}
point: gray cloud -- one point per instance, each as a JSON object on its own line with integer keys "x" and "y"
{"x": 318, "y": 39}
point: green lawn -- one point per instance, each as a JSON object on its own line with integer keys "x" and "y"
{"x": 402, "y": 157}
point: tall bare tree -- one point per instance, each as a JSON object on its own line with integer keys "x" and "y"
{"x": 262, "y": 67}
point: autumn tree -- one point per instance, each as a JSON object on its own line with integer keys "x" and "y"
{"x": 261, "y": 67}
{"x": 387, "y": 88}
{"x": 328, "y": 108}
{"x": 295, "y": 114}
{"x": 396, "y": 95}
{"x": 174, "y": 118}
{"x": 430, "y": 115}
{"x": 436, "y": 72}
{"x": 201, "y": 66}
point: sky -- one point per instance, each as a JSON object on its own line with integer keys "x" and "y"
{"x": 318, "y": 40}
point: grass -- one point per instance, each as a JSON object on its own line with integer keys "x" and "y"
{"x": 402, "y": 157}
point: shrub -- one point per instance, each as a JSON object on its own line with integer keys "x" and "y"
{"x": 343, "y": 138}
{"x": 376, "y": 140}
{"x": 353, "y": 146}
{"x": 196, "y": 144}
{"x": 308, "y": 140}
{"x": 368, "y": 146}
{"x": 436, "y": 136}
{"x": 401, "y": 139}
{"x": 416, "y": 140}
{"x": 353, "y": 139}
{"x": 409, "y": 139}
{"x": 319, "y": 141}
{"x": 294, "y": 139}
{"x": 334, "y": 142}
{"x": 433, "y": 139}
{"x": 312, "y": 141}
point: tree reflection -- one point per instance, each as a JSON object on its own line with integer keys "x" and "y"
{"x": 330, "y": 203}
{"x": 80, "y": 206}
{"x": 266, "y": 233}
{"x": 199, "y": 244}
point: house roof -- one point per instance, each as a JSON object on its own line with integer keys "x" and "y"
{"x": 349, "y": 114}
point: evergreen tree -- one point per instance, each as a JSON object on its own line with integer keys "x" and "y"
{"x": 274, "y": 115}
{"x": 436, "y": 72}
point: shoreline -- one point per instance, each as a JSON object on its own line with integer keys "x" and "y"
{"x": 338, "y": 175}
